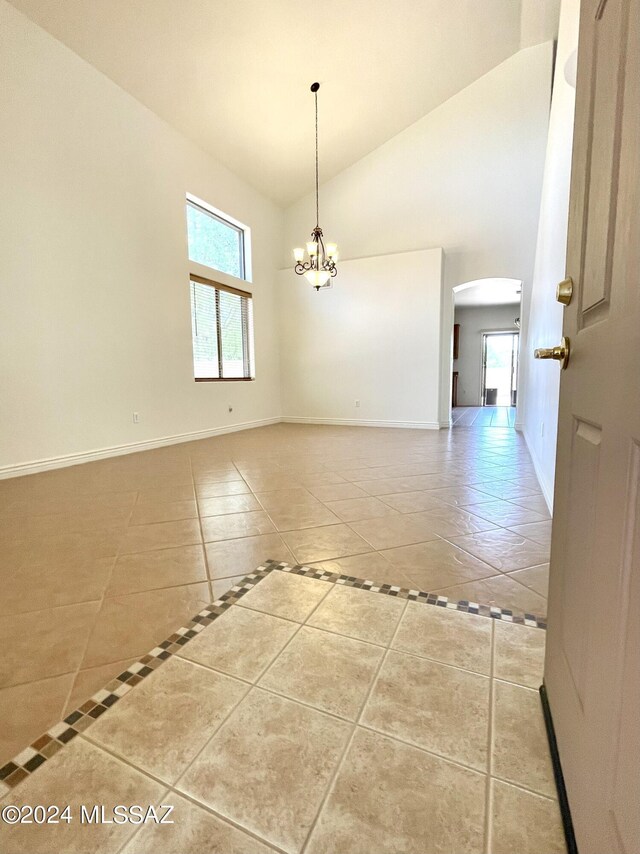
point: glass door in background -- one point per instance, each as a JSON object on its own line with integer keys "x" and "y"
{"x": 499, "y": 368}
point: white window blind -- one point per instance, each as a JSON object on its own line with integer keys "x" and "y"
{"x": 222, "y": 325}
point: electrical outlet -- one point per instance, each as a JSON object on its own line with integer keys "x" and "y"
{"x": 136, "y": 417}
{"x": 541, "y": 429}
{"x": 231, "y": 409}
{"x": 357, "y": 403}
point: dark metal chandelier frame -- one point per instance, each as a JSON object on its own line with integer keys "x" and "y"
{"x": 321, "y": 266}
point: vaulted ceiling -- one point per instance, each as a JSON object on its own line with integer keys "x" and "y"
{"x": 234, "y": 75}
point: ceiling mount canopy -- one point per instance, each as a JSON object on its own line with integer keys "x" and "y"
{"x": 319, "y": 267}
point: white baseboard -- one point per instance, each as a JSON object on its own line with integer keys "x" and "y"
{"x": 349, "y": 422}
{"x": 36, "y": 466}
{"x": 547, "y": 489}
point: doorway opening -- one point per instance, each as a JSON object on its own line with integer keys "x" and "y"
{"x": 484, "y": 349}
{"x": 499, "y": 368}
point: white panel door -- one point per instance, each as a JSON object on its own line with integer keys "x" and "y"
{"x": 592, "y": 669}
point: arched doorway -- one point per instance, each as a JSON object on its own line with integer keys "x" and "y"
{"x": 485, "y": 353}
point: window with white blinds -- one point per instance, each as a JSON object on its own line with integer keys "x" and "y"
{"x": 222, "y": 326}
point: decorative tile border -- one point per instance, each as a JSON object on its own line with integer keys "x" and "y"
{"x": 414, "y": 595}
{"x": 48, "y": 744}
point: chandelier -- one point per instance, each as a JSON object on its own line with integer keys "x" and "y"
{"x": 321, "y": 264}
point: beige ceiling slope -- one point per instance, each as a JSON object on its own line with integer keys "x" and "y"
{"x": 234, "y": 77}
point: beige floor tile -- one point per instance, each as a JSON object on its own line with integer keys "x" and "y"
{"x": 436, "y": 564}
{"x": 520, "y": 748}
{"x": 534, "y": 502}
{"x": 393, "y": 531}
{"x": 222, "y": 585}
{"x": 78, "y": 545}
{"x": 119, "y": 632}
{"x": 287, "y": 595}
{"x": 37, "y": 506}
{"x": 152, "y": 570}
{"x": 36, "y": 586}
{"x": 301, "y": 516}
{"x": 92, "y": 679}
{"x": 55, "y": 524}
{"x": 44, "y": 643}
{"x": 285, "y": 499}
{"x": 449, "y": 520}
{"x": 439, "y": 708}
{"x": 460, "y": 496}
{"x": 161, "y": 535}
{"x": 392, "y": 797}
{"x": 240, "y": 557}
{"x": 194, "y": 831}
{"x": 163, "y": 723}
{"x": 442, "y": 634}
{"x": 505, "y": 513}
{"x": 539, "y": 532}
{"x": 519, "y": 653}
{"x": 336, "y": 491}
{"x": 234, "y": 525}
{"x": 523, "y": 822}
{"x": 504, "y": 489}
{"x": 268, "y": 482}
{"x": 325, "y": 543}
{"x": 534, "y": 577}
{"x": 499, "y": 590}
{"x": 331, "y": 672}
{"x": 412, "y": 502}
{"x": 166, "y": 495}
{"x": 150, "y": 511}
{"x": 224, "y": 504}
{"x": 241, "y": 642}
{"x": 503, "y": 549}
{"x": 320, "y": 478}
{"x": 268, "y": 766}
{"x": 359, "y": 614}
{"x": 355, "y": 509}
{"x": 391, "y": 485}
{"x": 41, "y": 705}
{"x": 216, "y": 490}
{"x": 371, "y": 566}
{"x": 79, "y": 774}
{"x": 230, "y": 475}
{"x": 402, "y": 530}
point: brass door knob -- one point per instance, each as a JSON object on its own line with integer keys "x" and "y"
{"x": 560, "y": 354}
{"x": 564, "y": 291}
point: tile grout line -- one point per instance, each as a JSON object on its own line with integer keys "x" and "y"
{"x": 101, "y": 601}
{"x": 202, "y": 543}
{"x": 487, "y": 800}
{"x": 350, "y": 738}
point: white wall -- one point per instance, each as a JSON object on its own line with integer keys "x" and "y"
{"x": 544, "y": 327}
{"x": 373, "y": 337}
{"x": 467, "y": 177}
{"x": 474, "y": 320}
{"x": 93, "y": 263}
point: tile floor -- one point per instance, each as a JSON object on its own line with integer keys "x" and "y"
{"x": 358, "y": 722}
{"x": 483, "y": 416}
{"x": 85, "y": 550}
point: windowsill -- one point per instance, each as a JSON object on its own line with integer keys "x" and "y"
{"x": 224, "y": 379}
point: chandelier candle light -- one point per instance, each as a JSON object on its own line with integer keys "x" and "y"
{"x": 321, "y": 266}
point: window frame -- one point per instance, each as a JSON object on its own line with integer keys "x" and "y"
{"x": 243, "y": 231}
{"x": 246, "y": 344}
